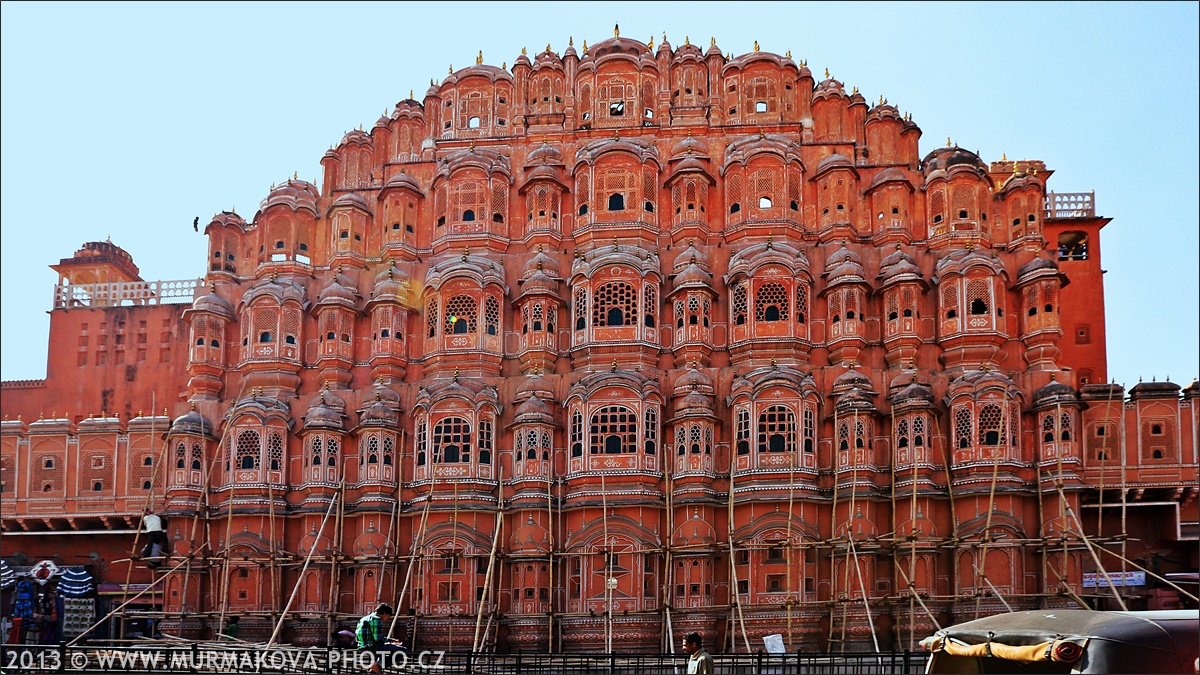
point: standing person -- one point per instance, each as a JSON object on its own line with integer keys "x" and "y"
{"x": 699, "y": 662}
{"x": 233, "y": 629}
{"x": 55, "y": 612}
{"x": 156, "y": 538}
{"x": 371, "y": 636}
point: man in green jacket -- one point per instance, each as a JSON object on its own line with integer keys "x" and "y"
{"x": 372, "y": 636}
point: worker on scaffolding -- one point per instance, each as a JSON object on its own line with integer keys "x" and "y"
{"x": 157, "y": 546}
{"x": 372, "y": 636}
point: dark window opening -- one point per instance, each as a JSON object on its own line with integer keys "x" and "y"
{"x": 908, "y": 313}
{"x": 937, "y": 218}
{"x": 441, "y": 220}
{"x": 612, "y": 445}
{"x": 497, "y": 217}
{"x": 615, "y": 317}
{"x": 649, "y": 206}
{"x": 616, "y": 109}
{"x": 583, "y": 209}
{"x": 776, "y": 443}
{"x": 978, "y": 306}
{"x": 771, "y": 313}
{"x": 616, "y": 202}
{"x": 892, "y": 316}
{"x": 468, "y": 216}
{"x": 1156, "y": 429}
{"x": 794, "y": 205}
{"x": 735, "y": 207}
{"x": 264, "y": 337}
{"x": 962, "y": 214}
{"x": 991, "y": 438}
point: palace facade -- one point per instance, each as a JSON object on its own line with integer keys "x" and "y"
{"x": 606, "y": 346}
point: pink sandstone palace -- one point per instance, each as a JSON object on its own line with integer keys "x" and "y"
{"x": 612, "y": 345}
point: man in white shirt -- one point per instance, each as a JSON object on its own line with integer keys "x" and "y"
{"x": 156, "y": 538}
{"x": 699, "y": 662}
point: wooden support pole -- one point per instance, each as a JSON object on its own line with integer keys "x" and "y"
{"x": 307, "y": 560}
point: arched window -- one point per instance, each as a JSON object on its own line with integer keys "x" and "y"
{"x": 248, "y": 450}
{"x": 962, "y": 427}
{"x": 743, "y": 431}
{"x": 771, "y": 303}
{"x": 616, "y": 202}
{"x": 777, "y": 429}
{"x": 613, "y": 430}
{"x": 989, "y": 425}
{"x": 461, "y": 315}
{"x": 738, "y": 304}
{"x": 452, "y": 440}
{"x": 576, "y": 434}
{"x": 615, "y": 304}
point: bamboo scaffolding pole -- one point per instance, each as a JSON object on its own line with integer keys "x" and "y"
{"x": 668, "y": 564}
{"x": 1152, "y": 574}
{"x": 118, "y": 610}
{"x": 307, "y": 560}
{"x": 733, "y": 591}
{"x": 980, "y": 564}
{"x": 788, "y": 535}
{"x": 335, "y": 549}
{"x": 608, "y": 564}
{"x": 418, "y": 545}
{"x": 455, "y": 556}
{"x": 1095, "y": 557}
{"x": 487, "y": 579}
{"x": 1123, "y": 441}
{"x": 133, "y": 555}
{"x": 833, "y": 522}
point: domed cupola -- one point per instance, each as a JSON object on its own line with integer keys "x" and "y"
{"x": 694, "y": 380}
{"x": 211, "y": 303}
{"x": 390, "y": 286}
{"x": 533, "y": 409}
{"x": 899, "y": 266}
{"x": 1055, "y": 393}
{"x": 534, "y": 386}
{"x": 341, "y": 290}
{"x": 852, "y": 379}
{"x": 192, "y": 423}
{"x": 295, "y": 194}
{"x": 325, "y": 411}
{"x": 530, "y": 539}
{"x": 378, "y": 414}
{"x": 844, "y": 266}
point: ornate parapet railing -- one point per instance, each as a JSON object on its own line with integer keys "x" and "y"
{"x": 126, "y": 293}
{"x": 1071, "y": 205}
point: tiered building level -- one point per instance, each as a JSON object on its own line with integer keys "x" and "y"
{"x": 614, "y": 343}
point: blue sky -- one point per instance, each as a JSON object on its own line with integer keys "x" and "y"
{"x": 129, "y": 120}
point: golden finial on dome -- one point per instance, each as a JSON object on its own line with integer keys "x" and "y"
{"x": 880, "y": 99}
{"x": 664, "y": 37}
{"x": 948, "y": 143}
{"x": 987, "y": 368}
{"x": 504, "y": 65}
{"x": 756, "y": 45}
{"x": 1004, "y": 157}
{"x": 687, "y": 40}
{"x": 456, "y": 374}
{"x": 827, "y": 73}
{"x": 296, "y": 174}
{"x": 650, "y": 44}
{"x": 450, "y": 70}
{"x": 571, "y": 41}
{"x": 547, "y": 47}
{"x": 523, "y": 53}
{"x": 471, "y": 147}
{"x": 614, "y": 365}
{"x": 616, "y": 30}
{"x": 789, "y": 53}
{"x": 615, "y": 246}
{"x": 466, "y": 250}
{"x": 854, "y": 91}
{"x": 712, "y": 42}
{"x": 479, "y": 58}
{"x": 585, "y": 47}
{"x": 768, "y": 242}
{"x": 410, "y": 93}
